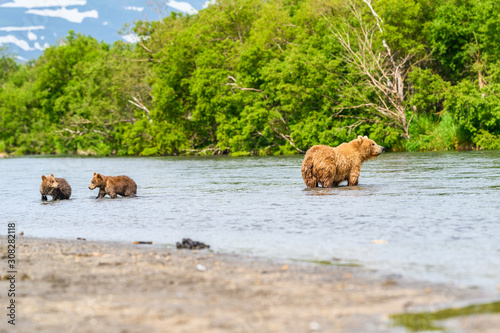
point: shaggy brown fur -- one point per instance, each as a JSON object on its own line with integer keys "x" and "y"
{"x": 58, "y": 188}
{"x": 327, "y": 166}
{"x": 112, "y": 186}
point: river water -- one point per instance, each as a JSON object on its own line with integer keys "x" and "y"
{"x": 430, "y": 216}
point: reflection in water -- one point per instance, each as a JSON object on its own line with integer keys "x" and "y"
{"x": 437, "y": 212}
{"x": 340, "y": 190}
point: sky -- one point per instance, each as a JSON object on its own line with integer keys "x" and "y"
{"x": 27, "y": 27}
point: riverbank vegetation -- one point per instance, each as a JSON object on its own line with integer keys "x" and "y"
{"x": 265, "y": 77}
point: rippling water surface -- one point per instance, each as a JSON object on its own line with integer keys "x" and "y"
{"x": 439, "y": 213}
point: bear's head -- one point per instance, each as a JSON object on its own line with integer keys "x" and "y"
{"x": 48, "y": 184}
{"x": 369, "y": 149}
{"x": 97, "y": 181}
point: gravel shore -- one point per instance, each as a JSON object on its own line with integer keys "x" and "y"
{"x": 86, "y": 286}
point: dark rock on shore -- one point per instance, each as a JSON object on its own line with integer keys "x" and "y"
{"x": 188, "y": 243}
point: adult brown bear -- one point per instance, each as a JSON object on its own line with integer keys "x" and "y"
{"x": 327, "y": 166}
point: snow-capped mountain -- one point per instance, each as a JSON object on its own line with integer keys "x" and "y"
{"x": 27, "y": 27}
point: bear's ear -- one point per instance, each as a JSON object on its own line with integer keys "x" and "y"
{"x": 365, "y": 137}
{"x": 43, "y": 177}
{"x": 360, "y": 138}
{"x": 98, "y": 175}
{"x": 51, "y": 175}
{"x": 94, "y": 173}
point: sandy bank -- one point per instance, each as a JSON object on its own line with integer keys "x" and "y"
{"x": 83, "y": 286}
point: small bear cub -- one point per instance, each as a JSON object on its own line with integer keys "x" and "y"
{"x": 113, "y": 185}
{"x": 57, "y": 188}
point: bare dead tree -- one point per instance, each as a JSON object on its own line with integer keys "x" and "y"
{"x": 158, "y": 6}
{"x": 383, "y": 72}
{"x": 478, "y": 65}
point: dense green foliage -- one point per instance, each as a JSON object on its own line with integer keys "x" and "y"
{"x": 265, "y": 77}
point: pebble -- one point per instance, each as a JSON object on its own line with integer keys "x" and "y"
{"x": 389, "y": 283}
{"x": 201, "y": 268}
{"x": 314, "y": 326}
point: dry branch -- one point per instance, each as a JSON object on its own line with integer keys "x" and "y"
{"x": 138, "y": 103}
{"x": 383, "y": 72}
{"x": 236, "y": 86}
{"x": 288, "y": 138}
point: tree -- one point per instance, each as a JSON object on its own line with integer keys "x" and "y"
{"x": 380, "y": 71}
{"x": 8, "y": 65}
{"x": 465, "y": 35}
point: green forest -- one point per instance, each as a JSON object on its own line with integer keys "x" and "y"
{"x": 257, "y": 77}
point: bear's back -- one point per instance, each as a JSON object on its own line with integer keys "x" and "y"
{"x": 121, "y": 184}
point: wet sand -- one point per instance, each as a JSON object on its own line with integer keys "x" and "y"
{"x": 84, "y": 286}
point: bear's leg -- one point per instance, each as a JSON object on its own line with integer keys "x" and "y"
{"x": 327, "y": 176}
{"x": 354, "y": 177}
{"x": 309, "y": 178}
{"x": 308, "y": 174}
{"x": 56, "y": 195}
{"x": 112, "y": 194}
{"x": 129, "y": 192}
{"x": 330, "y": 183}
{"x": 311, "y": 182}
{"x": 101, "y": 194}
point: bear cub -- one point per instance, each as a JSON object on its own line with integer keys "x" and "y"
{"x": 113, "y": 185}
{"x": 57, "y": 188}
{"x": 328, "y": 166}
